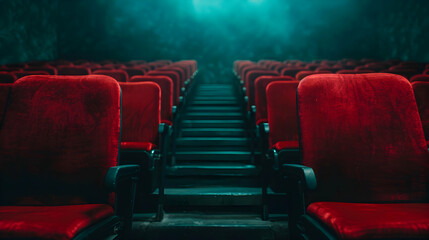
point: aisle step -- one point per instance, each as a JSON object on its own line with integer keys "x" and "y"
{"x": 227, "y": 156}
{"x": 214, "y": 169}
{"x": 213, "y": 123}
{"x": 214, "y": 115}
{"x": 213, "y": 132}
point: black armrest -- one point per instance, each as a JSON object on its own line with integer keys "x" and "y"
{"x": 266, "y": 129}
{"x": 122, "y": 180}
{"x": 300, "y": 173}
{"x": 117, "y": 174}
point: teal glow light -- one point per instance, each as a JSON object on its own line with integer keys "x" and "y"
{"x": 207, "y": 6}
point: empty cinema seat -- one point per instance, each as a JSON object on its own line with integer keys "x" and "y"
{"x": 166, "y": 85}
{"x": 145, "y": 139}
{"x": 369, "y": 156}
{"x": 421, "y": 93}
{"x": 49, "y": 69}
{"x": 249, "y": 83}
{"x": 118, "y": 74}
{"x": 59, "y": 143}
{"x": 302, "y": 74}
{"x": 134, "y": 71}
{"x": 174, "y": 76}
{"x": 7, "y": 77}
{"x": 73, "y": 70}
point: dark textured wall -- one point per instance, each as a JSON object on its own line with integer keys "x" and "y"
{"x": 28, "y": 30}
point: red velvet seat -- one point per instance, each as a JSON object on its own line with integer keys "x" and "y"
{"x": 421, "y": 93}
{"x": 179, "y": 70}
{"x": 249, "y": 83}
{"x": 405, "y": 72}
{"x": 7, "y": 77}
{"x": 361, "y": 136}
{"x": 174, "y": 76}
{"x": 118, "y": 74}
{"x": 247, "y": 69}
{"x": 261, "y": 84}
{"x": 144, "y": 138}
{"x": 166, "y": 85}
{"x": 73, "y": 70}
{"x": 281, "y": 108}
{"x": 59, "y": 144}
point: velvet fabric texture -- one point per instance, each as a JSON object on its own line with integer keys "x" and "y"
{"x": 118, "y": 74}
{"x": 373, "y": 221}
{"x": 249, "y": 83}
{"x": 421, "y": 93}
{"x": 73, "y": 70}
{"x": 176, "y": 82}
{"x": 60, "y": 135}
{"x": 261, "y": 96}
{"x": 166, "y": 85}
{"x": 282, "y": 113}
{"x": 7, "y": 77}
{"x": 50, "y": 222}
{"x": 141, "y": 113}
{"x": 362, "y": 135}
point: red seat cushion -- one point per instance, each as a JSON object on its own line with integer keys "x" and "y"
{"x": 373, "y": 221}
{"x": 50, "y": 222}
{"x": 286, "y": 145}
{"x": 146, "y": 146}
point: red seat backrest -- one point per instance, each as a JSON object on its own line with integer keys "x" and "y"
{"x": 249, "y": 82}
{"x": 141, "y": 112}
{"x": 302, "y": 74}
{"x": 50, "y": 70}
{"x": 261, "y": 97}
{"x": 166, "y": 85}
{"x": 19, "y": 75}
{"x": 59, "y": 137}
{"x": 362, "y": 135}
{"x": 281, "y": 108}
{"x": 420, "y": 78}
{"x": 174, "y": 76}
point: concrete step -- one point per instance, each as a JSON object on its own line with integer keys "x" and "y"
{"x": 213, "y": 132}
{"x": 213, "y": 123}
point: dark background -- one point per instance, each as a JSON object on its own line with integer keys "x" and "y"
{"x": 214, "y": 32}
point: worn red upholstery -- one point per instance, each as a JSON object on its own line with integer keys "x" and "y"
{"x": 52, "y": 222}
{"x": 421, "y": 93}
{"x": 372, "y": 111}
{"x": 58, "y": 138}
{"x": 261, "y": 97}
{"x": 7, "y": 77}
{"x": 249, "y": 82}
{"x": 281, "y": 107}
{"x": 73, "y": 70}
{"x": 19, "y": 75}
{"x": 373, "y": 221}
{"x": 420, "y": 78}
{"x": 166, "y": 85}
{"x": 118, "y": 74}
{"x": 176, "y": 82}
{"x": 141, "y": 114}
{"x": 65, "y": 112}
{"x": 362, "y": 135}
